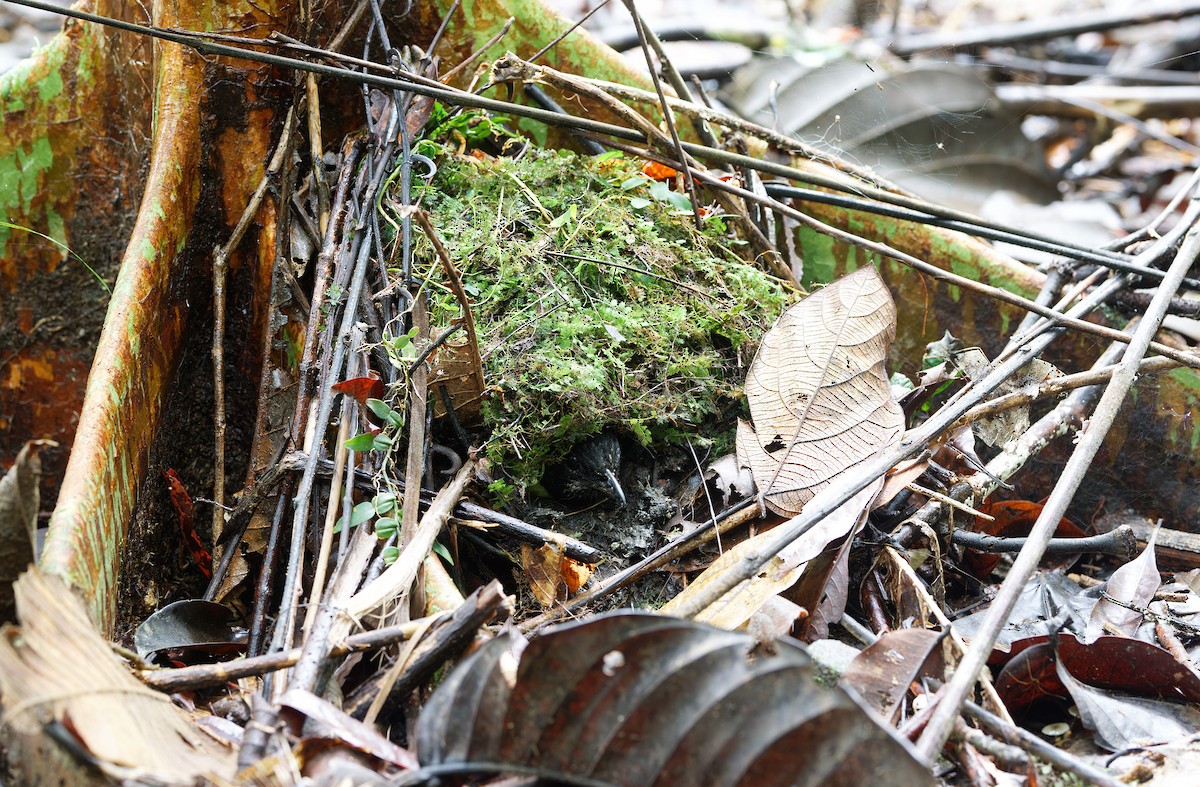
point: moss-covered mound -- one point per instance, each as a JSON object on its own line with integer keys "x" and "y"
{"x": 598, "y": 302}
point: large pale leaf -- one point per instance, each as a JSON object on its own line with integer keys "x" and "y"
{"x": 819, "y": 394}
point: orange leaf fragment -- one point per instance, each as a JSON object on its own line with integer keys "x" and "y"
{"x": 656, "y": 171}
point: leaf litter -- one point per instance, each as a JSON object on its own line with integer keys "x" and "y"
{"x": 529, "y": 306}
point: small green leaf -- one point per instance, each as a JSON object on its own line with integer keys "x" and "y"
{"x": 568, "y": 215}
{"x": 379, "y": 408}
{"x": 383, "y": 442}
{"x": 634, "y": 182}
{"x": 359, "y": 514}
{"x": 662, "y": 192}
{"x": 608, "y": 155}
{"x": 440, "y": 550}
{"x": 390, "y": 554}
{"x": 361, "y": 442}
{"x": 386, "y": 527}
{"x": 680, "y": 202}
{"x": 385, "y": 502}
{"x": 639, "y": 203}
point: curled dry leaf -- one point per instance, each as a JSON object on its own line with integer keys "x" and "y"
{"x": 998, "y": 429}
{"x": 1122, "y": 722}
{"x": 648, "y": 700}
{"x": 552, "y": 575}
{"x": 19, "y": 503}
{"x": 883, "y": 672}
{"x": 819, "y": 394}
{"x": 779, "y": 573}
{"x": 1132, "y": 586}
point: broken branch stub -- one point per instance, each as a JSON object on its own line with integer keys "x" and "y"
{"x": 820, "y": 401}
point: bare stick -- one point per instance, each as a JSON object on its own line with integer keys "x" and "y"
{"x": 1119, "y": 541}
{"x": 1040, "y": 748}
{"x": 452, "y": 634}
{"x": 1183, "y": 357}
{"x": 1186, "y": 358}
{"x": 202, "y": 676}
{"x": 1040, "y": 30}
{"x": 417, "y": 401}
{"x": 668, "y": 115}
{"x": 960, "y": 646}
{"x": 331, "y": 516}
{"x": 1006, "y": 730}
{"x": 396, "y": 580}
{"x": 1058, "y": 386}
{"x": 740, "y": 514}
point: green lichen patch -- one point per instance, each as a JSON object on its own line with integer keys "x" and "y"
{"x": 598, "y": 302}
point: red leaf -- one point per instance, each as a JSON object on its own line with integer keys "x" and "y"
{"x": 1119, "y": 664}
{"x": 361, "y": 388}
{"x": 187, "y": 519}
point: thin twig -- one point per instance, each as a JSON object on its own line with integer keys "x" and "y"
{"x": 1119, "y": 541}
{"x": 738, "y": 514}
{"x": 559, "y": 38}
{"x": 862, "y": 181}
{"x": 902, "y": 566}
{"x": 1059, "y": 385}
{"x": 202, "y": 676}
{"x": 1186, "y": 358}
{"x": 417, "y": 403}
{"x": 452, "y": 635}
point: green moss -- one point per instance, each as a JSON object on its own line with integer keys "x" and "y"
{"x": 598, "y": 305}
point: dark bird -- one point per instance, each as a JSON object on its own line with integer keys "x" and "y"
{"x": 589, "y": 472}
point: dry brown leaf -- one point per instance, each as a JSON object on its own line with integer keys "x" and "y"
{"x": 1132, "y": 586}
{"x": 998, "y": 429}
{"x": 57, "y": 668}
{"x": 456, "y": 366}
{"x": 819, "y": 394}
{"x": 551, "y": 574}
{"x": 19, "y": 503}
{"x": 541, "y": 570}
{"x": 778, "y": 574}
